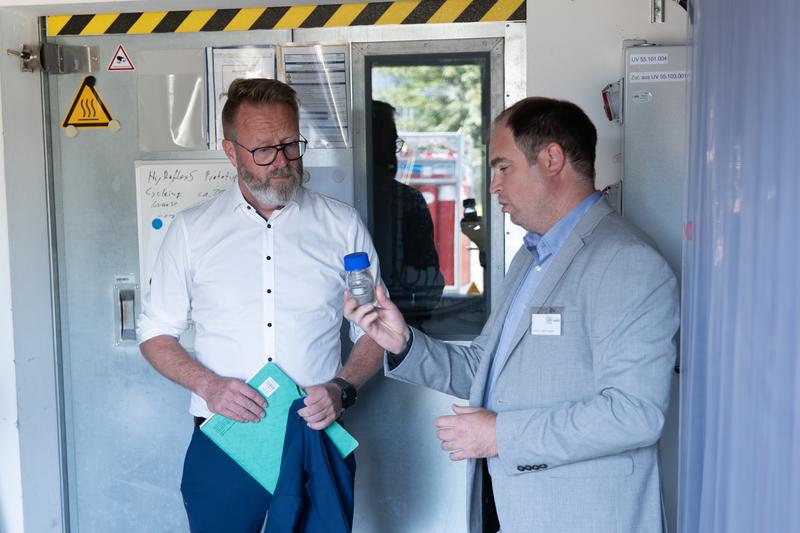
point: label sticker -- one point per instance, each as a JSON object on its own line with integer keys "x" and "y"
{"x": 649, "y": 59}
{"x": 642, "y": 97}
{"x": 120, "y": 61}
{"x": 546, "y": 324}
{"x": 268, "y": 387}
{"x": 667, "y": 75}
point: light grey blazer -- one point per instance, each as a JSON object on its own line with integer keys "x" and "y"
{"x": 578, "y": 415}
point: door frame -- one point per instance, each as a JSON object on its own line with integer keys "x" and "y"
{"x": 361, "y": 52}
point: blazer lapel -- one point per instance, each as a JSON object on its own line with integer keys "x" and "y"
{"x": 516, "y": 271}
{"x": 557, "y": 269}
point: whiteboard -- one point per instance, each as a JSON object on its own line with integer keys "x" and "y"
{"x": 163, "y": 189}
{"x": 166, "y": 187}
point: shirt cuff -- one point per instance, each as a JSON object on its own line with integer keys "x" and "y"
{"x": 394, "y": 359}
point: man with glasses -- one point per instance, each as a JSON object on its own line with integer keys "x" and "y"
{"x": 259, "y": 269}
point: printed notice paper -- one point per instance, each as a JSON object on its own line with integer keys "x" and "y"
{"x": 258, "y": 446}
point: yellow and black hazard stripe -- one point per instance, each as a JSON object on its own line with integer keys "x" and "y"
{"x": 289, "y": 17}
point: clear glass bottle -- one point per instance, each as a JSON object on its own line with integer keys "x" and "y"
{"x": 358, "y": 278}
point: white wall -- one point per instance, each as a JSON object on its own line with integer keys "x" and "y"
{"x": 34, "y": 439}
{"x": 10, "y": 469}
{"x": 575, "y": 49}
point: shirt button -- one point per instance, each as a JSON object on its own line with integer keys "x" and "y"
{"x": 269, "y": 226}
{"x": 269, "y": 324}
{"x": 269, "y": 359}
{"x": 269, "y": 291}
{"x": 269, "y": 257}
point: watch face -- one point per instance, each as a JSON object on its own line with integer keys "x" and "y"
{"x": 348, "y": 392}
{"x": 347, "y": 397}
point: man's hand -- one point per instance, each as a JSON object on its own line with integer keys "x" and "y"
{"x": 323, "y": 405}
{"x": 469, "y": 434}
{"x": 234, "y": 399}
{"x": 384, "y": 323}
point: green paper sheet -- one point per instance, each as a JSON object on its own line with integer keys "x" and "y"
{"x": 258, "y": 446}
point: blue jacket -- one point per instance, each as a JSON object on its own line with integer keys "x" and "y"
{"x": 314, "y": 493}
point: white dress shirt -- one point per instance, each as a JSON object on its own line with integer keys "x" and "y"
{"x": 258, "y": 290}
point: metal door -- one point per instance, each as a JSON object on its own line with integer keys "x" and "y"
{"x": 127, "y": 428}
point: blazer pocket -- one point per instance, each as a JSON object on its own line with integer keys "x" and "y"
{"x": 619, "y": 465}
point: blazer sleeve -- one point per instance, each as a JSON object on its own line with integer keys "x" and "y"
{"x": 633, "y": 317}
{"x": 438, "y": 365}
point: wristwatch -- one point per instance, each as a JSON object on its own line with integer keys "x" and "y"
{"x": 349, "y": 393}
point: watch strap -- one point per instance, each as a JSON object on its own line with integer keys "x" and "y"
{"x": 348, "y": 391}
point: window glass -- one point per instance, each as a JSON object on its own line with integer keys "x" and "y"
{"x": 428, "y": 182}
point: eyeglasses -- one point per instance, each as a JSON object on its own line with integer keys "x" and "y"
{"x": 265, "y": 155}
{"x": 398, "y": 145}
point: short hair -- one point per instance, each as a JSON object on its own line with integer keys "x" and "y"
{"x": 536, "y": 121}
{"x": 257, "y": 91}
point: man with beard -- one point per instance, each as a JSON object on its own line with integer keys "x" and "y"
{"x": 259, "y": 269}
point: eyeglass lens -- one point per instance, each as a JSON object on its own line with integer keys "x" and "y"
{"x": 292, "y": 151}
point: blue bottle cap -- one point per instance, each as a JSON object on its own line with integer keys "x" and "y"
{"x": 356, "y": 261}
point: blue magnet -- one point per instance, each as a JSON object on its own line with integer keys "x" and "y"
{"x": 158, "y": 223}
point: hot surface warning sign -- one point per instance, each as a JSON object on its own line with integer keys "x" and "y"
{"x": 87, "y": 109}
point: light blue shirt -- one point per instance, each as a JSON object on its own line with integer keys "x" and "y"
{"x": 543, "y": 249}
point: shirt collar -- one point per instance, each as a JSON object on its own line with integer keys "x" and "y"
{"x": 236, "y": 200}
{"x": 543, "y": 247}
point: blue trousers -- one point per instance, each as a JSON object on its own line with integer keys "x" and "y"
{"x": 218, "y": 495}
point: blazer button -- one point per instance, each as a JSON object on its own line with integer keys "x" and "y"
{"x": 542, "y": 466}
{"x": 528, "y": 468}
{"x": 536, "y": 467}
{"x": 521, "y": 468}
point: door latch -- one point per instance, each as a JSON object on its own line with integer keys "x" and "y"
{"x": 57, "y": 58}
{"x": 28, "y": 58}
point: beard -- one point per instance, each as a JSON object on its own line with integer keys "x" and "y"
{"x": 283, "y": 190}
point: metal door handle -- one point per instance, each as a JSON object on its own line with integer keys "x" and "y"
{"x": 127, "y": 314}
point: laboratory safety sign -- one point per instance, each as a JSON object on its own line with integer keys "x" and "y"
{"x": 120, "y": 61}
{"x": 289, "y": 17}
{"x": 87, "y": 109}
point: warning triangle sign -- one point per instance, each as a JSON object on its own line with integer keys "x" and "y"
{"x": 120, "y": 61}
{"x": 87, "y": 109}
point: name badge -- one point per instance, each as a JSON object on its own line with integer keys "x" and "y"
{"x": 546, "y": 324}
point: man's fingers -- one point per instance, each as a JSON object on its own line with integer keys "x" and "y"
{"x": 350, "y": 305}
{"x": 445, "y": 434}
{"x": 457, "y": 455}
{"x": 254, "y": 396}
{"x": 358, "y": 314}
{"x": 380, "y": 296}
{"x": 449, "y": 446}
{"x": 464, "y": 409}
{"x": 318, "y": 416}
{"x": 323, "y": 423}
{"x": 238, "y": 413}
{"x": 446, "y": 421}
{"x": 249, "y": 405}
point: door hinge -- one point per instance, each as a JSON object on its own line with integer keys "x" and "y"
{"x": 57, "y": 58}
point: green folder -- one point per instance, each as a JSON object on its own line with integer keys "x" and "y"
{"x": 258, "y": 446}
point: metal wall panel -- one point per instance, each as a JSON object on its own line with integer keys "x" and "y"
{"x": 655, "y": 169}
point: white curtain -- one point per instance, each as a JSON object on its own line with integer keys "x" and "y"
{"x": 740, "y": 390}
